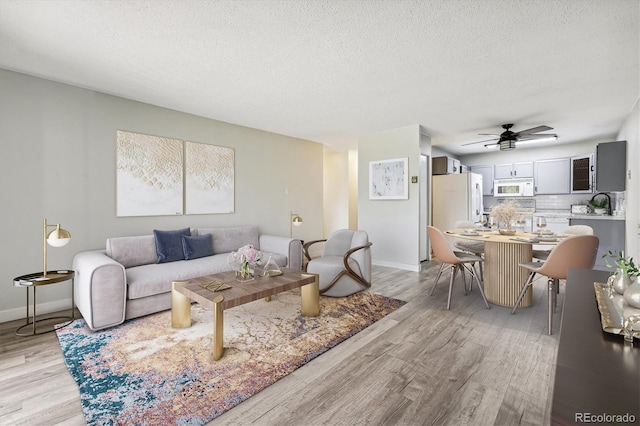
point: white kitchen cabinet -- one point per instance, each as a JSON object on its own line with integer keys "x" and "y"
{"x": 553, "y": 176}
{"x": 487, "y": 177}
{"x": 513, "y": 170}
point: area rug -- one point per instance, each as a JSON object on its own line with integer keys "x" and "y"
{"x": 144, "y": 372}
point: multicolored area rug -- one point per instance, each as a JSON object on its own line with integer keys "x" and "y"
{"x": 144, "y": 372}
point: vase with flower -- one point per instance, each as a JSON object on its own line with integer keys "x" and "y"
{"x": 506, "y": 213}
{"x": 626, "y": 280}
{"x": 243, "y": 260}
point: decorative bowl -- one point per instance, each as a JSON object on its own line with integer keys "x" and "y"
{"x": 507, "y": 231}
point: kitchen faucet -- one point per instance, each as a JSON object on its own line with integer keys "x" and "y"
{"x": 608, "y": 203}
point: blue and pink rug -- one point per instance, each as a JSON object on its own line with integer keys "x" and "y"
{"x": 144, "y": 372}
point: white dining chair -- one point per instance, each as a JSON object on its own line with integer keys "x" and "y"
{"x": 571, "y": 230}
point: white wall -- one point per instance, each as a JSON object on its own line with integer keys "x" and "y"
{"x": 631, "y": 133}
{"x": 57, "y": 160}
{"x": 336, "y": 191}
{"x": 392, "y": 225}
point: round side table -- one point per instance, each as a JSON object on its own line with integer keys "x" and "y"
{"x": 34, "y": 281}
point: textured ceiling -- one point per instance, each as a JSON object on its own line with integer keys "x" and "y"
{"x": 331, "y": 71}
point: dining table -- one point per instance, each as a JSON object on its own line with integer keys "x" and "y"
{"x": 503, "y": 277}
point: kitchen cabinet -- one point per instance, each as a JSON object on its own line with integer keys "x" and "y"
{"x": 552, "y": 176}
{"x": 445, "y": 165}
{"x": 611, "y": 234}
{"x": 487, "y": 177}
{"x": 513, "y": 170}
{"x": 611, "y": 166}
{"x": 582, "y": 174}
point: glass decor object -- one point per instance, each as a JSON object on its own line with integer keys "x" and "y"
{"x": 271, "y": 269}
{"x": 632, "y": 293}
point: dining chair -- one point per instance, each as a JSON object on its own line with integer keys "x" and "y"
{"x": 473, "y": 247}
{"x": 578, "y": 251}
{"x": 571, "y": 230}
{"x": 458, "y": 261}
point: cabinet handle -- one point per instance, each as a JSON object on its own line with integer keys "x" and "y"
{"x": 515, "y": 172}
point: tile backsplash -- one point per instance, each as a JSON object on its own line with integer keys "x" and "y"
{"x": 545, "y": 202}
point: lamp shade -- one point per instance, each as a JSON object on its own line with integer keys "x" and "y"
{"x": 507, "y": 145}
{"x": 297, "y": 221}
{"x": 58, "y": 237}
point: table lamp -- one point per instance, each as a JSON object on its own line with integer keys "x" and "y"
{"x": 57, "y": 238}
{"x": 296, "y": 220}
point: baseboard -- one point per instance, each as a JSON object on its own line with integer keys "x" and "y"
{"x": 404, "y": 266}
{"x": 42, "y": 308}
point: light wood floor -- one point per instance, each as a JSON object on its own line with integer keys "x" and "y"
{"x": 421, "y": 365}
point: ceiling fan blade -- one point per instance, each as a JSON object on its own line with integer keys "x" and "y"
{"x": 534, "y": 130}
{"x": 538, "y": 136}
{"x": 488, "y": 140}
{"x": 488, "y": 134}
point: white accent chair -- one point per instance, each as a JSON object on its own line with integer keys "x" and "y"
{"x": 345, "y": 265}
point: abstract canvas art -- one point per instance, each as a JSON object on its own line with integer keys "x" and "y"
{"x": 388, "y": 179}
{"x": 209, "y": 178}
{"x": 149, "y": 175}
{"x": 165, "y": 176}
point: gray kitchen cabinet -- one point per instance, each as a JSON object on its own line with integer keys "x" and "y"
{"x": 611, "y": 166}
{"x": 611, "y": 234}
{"x": 487, "y": 177}
{"x": 513, "y": 170}
{"x": 553, "y": 176}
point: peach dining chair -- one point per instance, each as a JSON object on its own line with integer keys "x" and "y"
{"x": 459, "y": 262}
{"x": 578, "y": 251}
{"x": 571, "y": 230}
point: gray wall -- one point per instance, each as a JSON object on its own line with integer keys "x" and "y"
{"x": 57, "y": 160}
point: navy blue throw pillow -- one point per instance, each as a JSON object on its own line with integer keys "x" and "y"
{"x": 169, "y": 244}
{"x": 195, "y": 247}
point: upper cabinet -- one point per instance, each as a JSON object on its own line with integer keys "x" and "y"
{"x": 582, "y": 174}
{"x": 611, "y": 166}
{"x": 513, "y": 170}
{"x": 487, "y": 178}
{"x": 445, "y": 166}
{"x": 553, "y": 176}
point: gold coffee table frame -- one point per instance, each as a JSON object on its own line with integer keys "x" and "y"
{"x": 183, "y": 292}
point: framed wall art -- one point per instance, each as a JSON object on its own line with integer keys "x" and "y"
{"x": 209, "y": 178}
{"x": 388, "y": 179}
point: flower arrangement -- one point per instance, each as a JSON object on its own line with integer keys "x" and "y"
{"x": 506, "y": 212}
{"x": 626, "y": 264}
{"x": 242, "y": 260}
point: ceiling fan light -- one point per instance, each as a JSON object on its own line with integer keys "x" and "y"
{"x": 507, "y": 145}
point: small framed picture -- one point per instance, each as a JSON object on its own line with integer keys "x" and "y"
{"x": 388, "y": 179}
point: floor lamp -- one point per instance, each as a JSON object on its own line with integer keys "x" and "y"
{"x": 294, "y": 220}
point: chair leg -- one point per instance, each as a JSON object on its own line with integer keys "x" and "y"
{"x": 523, "y": 291}
{"x": 474, "y": 274}
{"x": 551, "y": 292}
{"x": 454, "y": 270}
{"x": 464, "y": 279}
{"x": 437, "y": 278}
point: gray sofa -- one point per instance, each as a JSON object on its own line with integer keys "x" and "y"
{"x": 126, "y": 281}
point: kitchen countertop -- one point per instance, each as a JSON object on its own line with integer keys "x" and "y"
{"x": 568, "y": 214}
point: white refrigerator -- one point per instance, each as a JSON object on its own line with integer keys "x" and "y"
{"x": 456, "y": 197}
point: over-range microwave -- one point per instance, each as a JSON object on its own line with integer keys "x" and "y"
{"x": 513, "y": 187}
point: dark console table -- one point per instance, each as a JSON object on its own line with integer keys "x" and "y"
{"x": 597, "y": 375}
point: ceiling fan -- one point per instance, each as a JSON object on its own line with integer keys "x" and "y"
{"x": 507, "y": 139}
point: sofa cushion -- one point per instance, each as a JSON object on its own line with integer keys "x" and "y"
{"x": 226, "y": 240}
{"x": 148, "y": 280}
{"x": 169, "y": 244}
{"x": 195, "y": 247}
{"x": 132, "y": 251}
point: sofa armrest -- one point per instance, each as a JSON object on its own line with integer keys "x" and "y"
{"x": 289, "y": 247}
{"x": 100, "y": 289}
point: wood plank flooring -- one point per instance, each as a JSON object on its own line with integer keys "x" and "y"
{"x": 421, "y": 365}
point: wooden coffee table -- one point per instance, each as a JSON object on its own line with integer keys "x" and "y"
{"x": 183, "y": 292}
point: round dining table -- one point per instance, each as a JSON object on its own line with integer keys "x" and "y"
{"x": 503, "y": 277}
